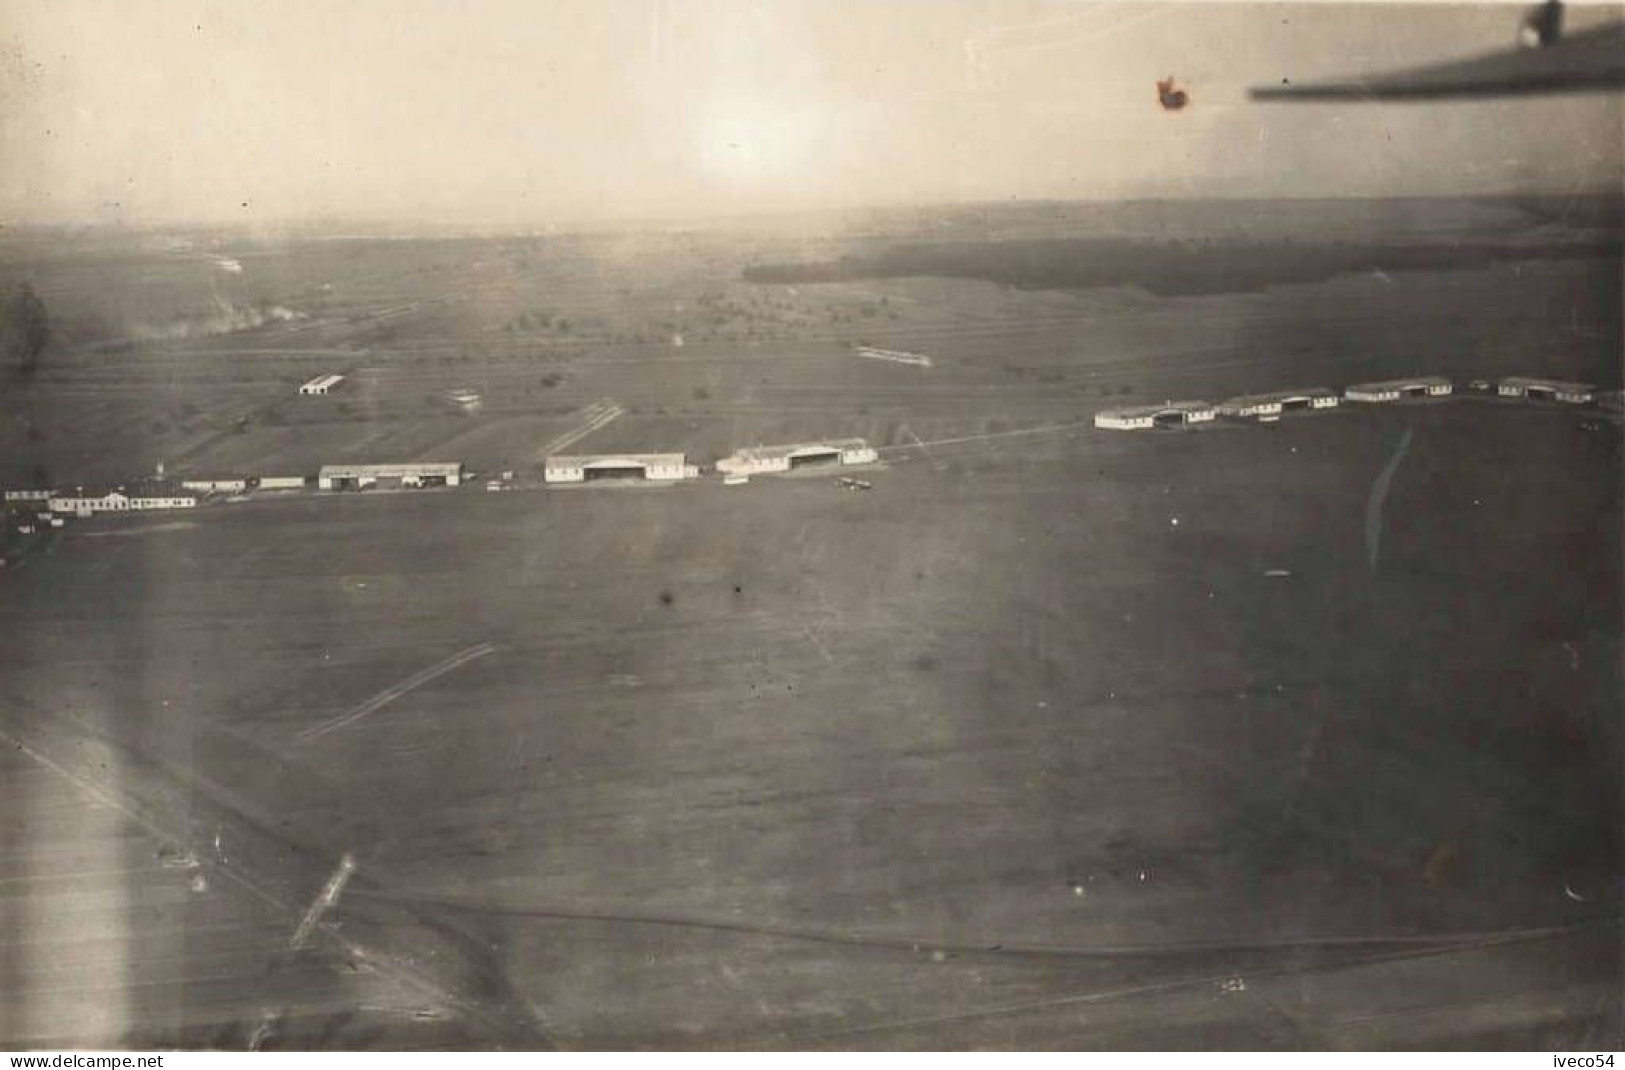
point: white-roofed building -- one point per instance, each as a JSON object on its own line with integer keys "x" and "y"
{"x": 752, "y": 460}
{"x": 659, "y": 467}
{"x": 362, "y": 476}
{"x": 215, "y": 486}
{"x": 322, "y": 384}
{"x": 1145, "y": 417}
{"x": 1280, "y": 401}
{"x": 1429, "y": 386}
{"x": 116, "y": 501}
{"x": 1518, "y": 386}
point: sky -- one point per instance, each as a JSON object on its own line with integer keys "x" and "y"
{"x": 534, "y": 112}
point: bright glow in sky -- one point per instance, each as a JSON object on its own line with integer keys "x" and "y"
{"x": 533, "y": 111}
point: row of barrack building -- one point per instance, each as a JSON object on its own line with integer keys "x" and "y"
{"x": 1271, "y": 406}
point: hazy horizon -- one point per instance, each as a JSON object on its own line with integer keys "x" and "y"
{"x": 569, "y": 114}
{"x": 338, "y": 228}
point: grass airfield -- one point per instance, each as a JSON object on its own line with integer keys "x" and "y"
{"x": 1001, "y": 705}
{"x": 1024, "y": 747}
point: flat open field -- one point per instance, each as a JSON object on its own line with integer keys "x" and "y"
{"x": 1304, "y": 735}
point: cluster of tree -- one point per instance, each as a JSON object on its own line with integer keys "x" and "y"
{"x": 25, "y": 331}
{"x": 1168, "y": 268}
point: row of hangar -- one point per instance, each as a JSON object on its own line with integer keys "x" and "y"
{"x": 1269, "y": 406}
{"x": 670, "y": 467}
{"x": 653, "y": 467}
{"x": 587, "y": 468}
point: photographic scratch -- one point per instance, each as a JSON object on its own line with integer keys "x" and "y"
{"x": 324, "y": 902}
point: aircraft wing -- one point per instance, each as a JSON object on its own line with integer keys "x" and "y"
{"x": 1589, "y": 60}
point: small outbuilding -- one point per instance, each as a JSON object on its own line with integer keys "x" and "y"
{"x": 752, "y": 460}
{"x": 1429, "y": 386}
{"x": 654, "y": 467}
{"x": 1518, "y": 386}
{"x": 322, "y": 384}
{"x": 1146, "y": 417}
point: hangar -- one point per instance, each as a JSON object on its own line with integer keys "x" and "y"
{"x": 838, "y": 451}
{"x": 1518, "y": 386}
{"x": 1279, "y": 402}
{"x": 1144, "y": 417}
{"x": 322, "y": 384}
{"x": 1429, "y": 386}
{"x": 362, "y": 476}
{"x": 656, "y": 467}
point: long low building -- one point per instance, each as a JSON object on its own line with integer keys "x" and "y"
{"x": 896, "y": 356}
{"x": 1168, "y": 414}
{"x": 322, "y": 384}
{"x": 30, "y": 495}
{"x": 1431, "y": 386}
{"x": 119, "y": 502}
{"x": 215, "y": 486}
{"x": 282, "y": 482}
{"x": 661, "y": 467}
{"x": 1518, "y": 386}
{"x": 755, "y": 459}
{"x": 362, "y": 476}
{"x": 1280, "y": 401}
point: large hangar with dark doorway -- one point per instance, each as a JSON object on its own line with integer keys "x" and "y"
{"x": 1273, "y": 404}
{"x": 1518, "y": 386}
{"x": 754, "y": 460}
{"x": 366, "y": 476}
{"x": 1427, "y": 386}
{"x": 634, "y": 467}
{"x": 1146, "y": 417}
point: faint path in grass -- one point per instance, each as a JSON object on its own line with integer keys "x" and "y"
{"x": 1379, "y": 495}
{"x": 390, "y": 694}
